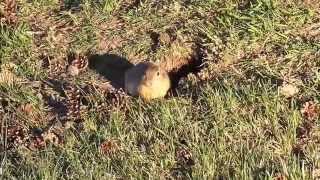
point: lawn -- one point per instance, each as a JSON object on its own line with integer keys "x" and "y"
{"x": 244, "y": 102}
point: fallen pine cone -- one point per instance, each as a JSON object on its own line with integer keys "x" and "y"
{"x": 184, "y": 157}
{"x": 16, "y": 136}
{"x": 310, "y": 110}
{"x": 78, "y": 63}
{"x": 9, "y": 15}
{"x": 73, "y": 102}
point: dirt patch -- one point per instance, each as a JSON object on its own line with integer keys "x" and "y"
{"x": 181, "y": 60}
{"x": 155, "y": 41}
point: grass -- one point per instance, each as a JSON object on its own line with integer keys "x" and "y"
{"x": 234, "y": 123}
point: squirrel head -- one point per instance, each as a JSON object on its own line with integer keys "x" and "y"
{"x": 155, "y": 75}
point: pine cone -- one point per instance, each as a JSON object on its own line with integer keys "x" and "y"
{"x": 16, "y": 135}
{"x": 36, "y": 142}
{"x": 113, "y": 98}
{"x": 310, "y": 110}
{"x": 73, "y": 102}
{"x": 52, "y": 137}
{"x": 10, "y": 12}
{"x": 184, "y": 157}
{"x": 77, "y": 64}
{"x": 56, "y": 68}
{"x": 119, "y": 97}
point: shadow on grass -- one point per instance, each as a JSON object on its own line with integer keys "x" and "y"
{"x": 110, "y": 66}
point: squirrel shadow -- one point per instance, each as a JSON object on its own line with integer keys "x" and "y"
{"x": 110, "y": 66}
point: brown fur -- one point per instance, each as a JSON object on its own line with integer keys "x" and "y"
{"x": 147, "y": 80}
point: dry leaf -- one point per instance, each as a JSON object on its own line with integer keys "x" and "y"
{"x": 109, "y": 147}
{"x": 73, "y": 70}
{"x": 164, "y": 38}
{"x": 279, "y": 176}
{"x": 310, "y": 110}
{"x": 289, "y": 90}
{"x": 9, "y": 66}
{"x": 27, "y": 108}
{"x": 316, "y": 173}
{"x": 7, "y": 77}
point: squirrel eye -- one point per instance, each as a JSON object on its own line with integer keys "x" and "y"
{"x": 158, "y": 73}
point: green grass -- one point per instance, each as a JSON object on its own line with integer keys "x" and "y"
{"x": 235, "y": 123}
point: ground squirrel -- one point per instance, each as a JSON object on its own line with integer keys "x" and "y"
{"x": 147, "y": 80}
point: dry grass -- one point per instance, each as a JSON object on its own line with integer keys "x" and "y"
{"x": 245, "y": 102}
